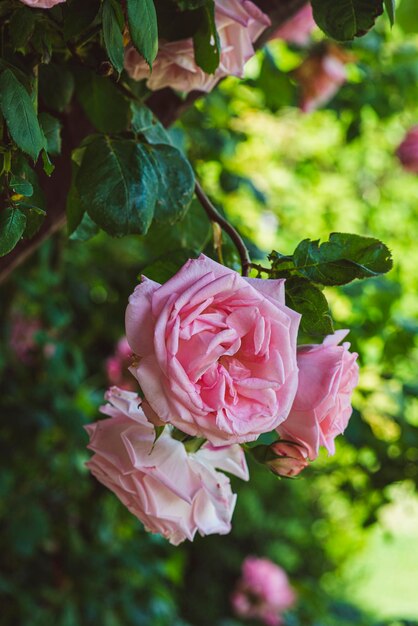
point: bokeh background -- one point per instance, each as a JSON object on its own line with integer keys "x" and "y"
{"x": 346, "y": 531}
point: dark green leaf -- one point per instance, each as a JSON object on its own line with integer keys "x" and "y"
{"x": 78, "y": 16}
{"x": 22, "y": 24}
{"x": 51, "y": 128}
{"x": 117, "y": 185}
{"x": 390, "y": 9}
{"x": 144, "y": 123}
{"x": 113, "y": 23}
{"x": 20, "y": 115}
{"x": 12, "y": 226}
{"x": 142, "y": 21}
{"x": 342, "y": 259}
{"x": 175, "y": 183}
{"x": 56, "y": 85}
{"x": 74, "y": 207}
{"x": 85, "y": 230}
{"x": 310, "y": 302}
{"x": 105, "y": 106}
{"x": 206, "y": 41}
{"x": 21, "y": 186}
{"x": 345, "y": 19}
{"x": 47, "y": 164}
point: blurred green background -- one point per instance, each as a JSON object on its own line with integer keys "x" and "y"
{"x": 346, "y": 531}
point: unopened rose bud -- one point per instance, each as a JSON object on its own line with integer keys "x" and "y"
{"x": 290, "y": 459}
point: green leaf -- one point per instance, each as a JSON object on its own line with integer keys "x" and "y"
{"x": 175, "y": 182}
{"x": 407, "y": 16}
{"x": 21, "y": 186}
{"x": 85, "y": 230}
{"x": 51, "y": 128}
{"x": 74, "y": 207}
{"x": 22, "y": 24}
{"x": 345, "y": 19}
{"x": 390, "y": 7}
{"x": 117, "y": 185}
{"x": 206, "y": 41}
{"x": 20, "y": 115}
{"x": 342, "y": 259}
{"x": 113, "y": 23}
{"x": 302, "y": 296}
{"x": 142, "y": 22}
{"x": 56, "y": 86}
{"x": 105, "y": 106}
{"x": 143, "y": 122}
{"x": 12, "y": 226}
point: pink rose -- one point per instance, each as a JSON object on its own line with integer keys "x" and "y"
{"x": 117, "y": 366}
{"x": 321, "y": 75}
{"x": 216, "y": 352}
{"x": 42, "y": 4}
{"x": 408, "y": 151}
{"x": 170, "y": 491}
{"x": 263, "y": 592}
{"x": 239, "y": 23}
{"x": 290, "y": 459}
{"x": 298, "y": 29}
{"x": 328, "y": 374}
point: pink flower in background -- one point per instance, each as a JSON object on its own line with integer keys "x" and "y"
{"x": 263, "y": 592}
{"x": 298, "y": 29}
{"x": 408, "y": 151}
{"x": 328, "y": 373}
{"x": 290, "y": 459}
{"x": 42, "y": 4}
{"x": 217, "y": 352}
{"x": 239, "y": 23}
{"x": 23, "y": 332}
{"x": 117, "y": 367}
{"x": 321, "y": 75}
{"x": 170, "y": 491}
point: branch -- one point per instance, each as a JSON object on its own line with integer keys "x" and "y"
{"x": 216, "y": 217}
{"x": 167, "y": 107}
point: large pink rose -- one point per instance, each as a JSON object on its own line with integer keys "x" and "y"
{"x": 328, "y": 374}
{"x": 263, "y": 592}
{"x": 408, "y": 151}
{"x": 42, "y": 4}
{"x": 170, "y": 491}
{"x": 239, "y": 23}
{"x": 216, "y": 352}
{"x": 299, "y": 28}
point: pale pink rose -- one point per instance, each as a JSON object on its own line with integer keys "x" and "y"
{"x": 328, "y": 373}
{"x": 216, "y": 352}
{"x": 117, "y": 367}
{"x": 263, "y": 592}
{"x": 42, "y": 4}
{"x": 321, "y": 75}
{"x": 408, "y": 151}
{"x": 170, "y": 491}
{"x": 290, "y": 459}
{"x": 239, "y": 23}
{"x": 298, "y": 29}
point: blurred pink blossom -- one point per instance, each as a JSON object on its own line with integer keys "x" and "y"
{"x": 42, "y": 4}
{"x": 407, "y": 152}
{"x": 169, "y": 490}
{"x": 117, "y": 367}
{"x": 298, "y": 29}
{"x": 263, "y": 592}
{"x": 321, "y": 75}
{"x": 239, "y": 23}
{"x": 23, "y": 336}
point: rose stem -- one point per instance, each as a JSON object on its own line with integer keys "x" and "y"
{"x": 215, "y": 216}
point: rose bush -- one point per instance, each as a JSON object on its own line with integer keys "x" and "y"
{"x": 263, "y": 592}
{"x": 328, "y": 374}
{"x": 239, "y": 23}
{"x": 172, "y": 492}
{"x": 216, "y": 353}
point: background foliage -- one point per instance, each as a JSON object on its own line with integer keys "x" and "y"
{"x": 71, "y": 554}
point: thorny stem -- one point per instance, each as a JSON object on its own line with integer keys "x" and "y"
{"x": 215, "y": 216}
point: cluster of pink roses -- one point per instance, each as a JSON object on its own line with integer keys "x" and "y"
{"x": 217, "y": 360}
{"x": 263, "y": 592}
